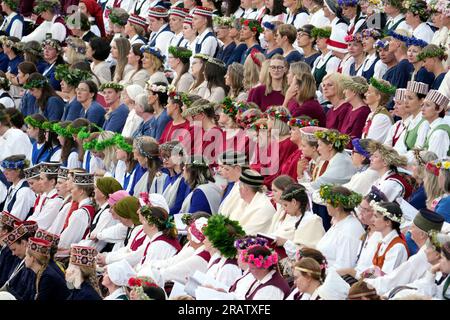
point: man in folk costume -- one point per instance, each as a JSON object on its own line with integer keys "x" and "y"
{"x": 192, "y": 257}
{"x": 115, "y": 279}
{"x": 255, "y": 211}
{"x": 221, "y": 233}
{"x": 202, "y": 22}
{"x": 81, "y": 276}
{"x": 417, "y": 265}
{"x": 13, "y": 23}
{"x": 269, "y": 284}
{"x": 7, "y": 260}
{"x": 20, "y": 198}
{"x": 21, "y": 282}
{"x": 103, "y": 218}
{"x": 78, "y": 220}
{"x": 135, "y": 240}
{"x": 231, "y": 164}
{"x": 47, "y": 209}
{"x": 161, "y": 33}
{"x": 52, "y": 23}
{"x": 433, "y": 110}
{"x": 63, "y": 186}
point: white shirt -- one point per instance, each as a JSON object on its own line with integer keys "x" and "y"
{"x": 225, "y": 273}
{"x": 268, "y": 292}
{"x": 155, "y": 250}
{"x": 341, "y": 25}
{"x": 391, "y": 188}
{"x": 115, "y": 234}
{"x": 297, "y": 20}
{"x": 3, "y": 192}
{"x": 381, "y": 123}
{"x": 426, "y": 286}
{"x": 15, "y": 141}
{"x": 25, "y": 198}
{"x": 115, "y": 294}
{"x": 362, "y": 181}
{"x": 209, "y": 45}
{"x": 78, "y": 223}
{"x": 395, "y": 256}
{"x": 332, "y": 64}
{"x": 45, "y": 214}
{"x": 243, "y": 285}
{"x": 178, "y": 41}
{"x": 402, "y": 25}
{"x": 58, "y": 224}
{"x": 72, "y": 160}
{"x": 162, "y": 39}
{"x": 423, "y": 32}
{"x": 16, "y": 28}
{"x": 131, "y": 124}
{"x": 397, "y": 131}
{"x": 412, "y": 269}
{"x": 438, "y": 141}
{"x": 318, "y": 19}
{"x": 136, "y": 40}
{"x": 367, "y": 252}
{"x": 340, "y": 244}
{"x": 57, "y": 30}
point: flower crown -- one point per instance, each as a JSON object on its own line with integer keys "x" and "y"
{"x": 388, "y": 89}
{"x": 223, "y": 21}
{"x": 55, "y": 44}
{"x": 415, "y": 42}
{"x": 232, "y": 108}
{"x": 185, "y": 54}
{"x": 442, "y": 6}
{"x": 249, "y": 241}
{"x": 76, "y": 47}
{"x": 111, "y": 85}
{"x": 187, "y": 219}
{"x": 373, "y": 33}
{"x": 291, "y": 194}
{"x": 153, "y": 51}
{"x": 254, "y": 25}
{"x": 120, "y": 142}
{"x": 30, "y": 121}
{"x": 381, "y": 44}
{"x": 115, "y": 18}
{"x": 46, "y": 5}
{"x": 443, "y": 164}
{"x": 376, "y": 207}
{"x": 260, "y": 261}
{"x": 336, "y": 199}
{"x": 278, "y": 114}
{"x": 139, "y": 283}
{"x": 438, "y": 239}
{"x": 249, "y": 118}
{"x": 432, "y": 168}
{"x": 321, "y": 33}
{"x": 257, "y": 126}
{"x": 154, "y": 88}
{"x": 416, "y": 8}
{"x": 302, "y": 122}
{"x": 338, "y": 140}
{"x": 11, "y": 44}
{"x": 438, "y": 52}
{"x": 71, "y": 76}
{"x": 353, "y": 38}
{"x": 168, "y": 223}
{"x": 202, "y": 56}
{"x": 36, "y": 83}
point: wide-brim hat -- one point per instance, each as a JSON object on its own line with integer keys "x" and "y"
{"x": 83, "y": 256}
{"x": 50, "y": 237}
{"x": 50, "y": 167}
{"x": 39, "y": 246}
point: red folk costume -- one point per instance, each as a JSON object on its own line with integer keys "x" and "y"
{"x": 285, "y": 149}
{"x": 311, "y": 108}
{"x": 335, "y": 118}
{"x": 170, "y": 132}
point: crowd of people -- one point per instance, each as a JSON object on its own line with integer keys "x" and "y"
{"x": 228, "y": 150}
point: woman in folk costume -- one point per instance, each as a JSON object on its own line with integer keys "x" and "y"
{"x": 21, "y": 281}
{"x": 79, "y": 218}
{"x": 386, "y": 161}
{"x": 135, "y": 241}
{"x": 221, "y": 233}
{"x": 104, "y": 153}
{"x": 433, "y": 58}
{"x": 85, "y": 135}
{"x": 309, "y": 276}
{"x": 352, "y": 11}
{"x": 280, "y": 184}
{"x": 146, "y": 152}
{"x": 362, "y": 180}
{"x": 205, "y": 194}
{"x": 159, "y": 227}
{"x": 50, "y": 282}
{"x": 379, "y": 120}
{"x": 235, "y": 138}
{"x": 128, "y": 171}
{"x": 190, "y": 259}
{"x": 333, "y": 288}
{"x": 8, "y": 261}
{"x": 372, "y": 65}
{"x": 46, "y": 210}
{"x": 41, "y": 149}
{"x": 418, "y": 127}
{"x": 433, "y": 111}
{"x": 317, "y": 256}
{"x": 175, "y": 187}
{"x": 326, "y": 63}
{"x": 362, "y": 291}
{"x": 14, "y": 22}
{"x": 20, "y": 198}
{"x": 346, "y": 230}
{"x": 129, "y": 98}
{"x": 54, "y": 241}
{"x": 179, "y": 61}
{"x": 174, "y": 128}
{"x": 206, "y": 42}
{"x": 396, "y": 134}
{"x": 296, "y": 15}
{"x": 138, "y": 75}
{"x": 254, "y": 211}
{"x": 310, "y": 163}
{"x": 81, "y": 276}
{"x": 115, "y": 279}
{"x": 69, "y": 149}
{"x": 103, "y": 219}
{"x": 392, "y": 250}
{"x": 269, "y": 284}
{"x": 117, "y": 112}
{"x": 301, "y": 227}
{"x": 338, "y": 165}
{"x": 354, "y": 91}
{"x": 14, "y": 141}
{"x": 153, "y": 62}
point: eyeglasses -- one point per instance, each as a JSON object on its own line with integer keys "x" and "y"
{"x": 278, "y": 68}
{"x": 302, "y": 34}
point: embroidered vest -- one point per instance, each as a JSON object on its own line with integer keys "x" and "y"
{"x": 379, "y": 260}
{"x": 277, "y": 281}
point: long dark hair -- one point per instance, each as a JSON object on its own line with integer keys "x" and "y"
{"x": 186, "y": 64}
{"x": 198, "y": 174}
{"x": 69, "y": 143}
{"x": 77, "y": 124}
{"x": 136, "y": 48}
{"x": 47, "y": 90}
{"x": 131, "y": 161}
{"x": 41, "y": 133}
{"x": 215, "y": 76}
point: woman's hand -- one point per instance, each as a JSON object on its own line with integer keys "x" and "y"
{"x": 436, "y": 268}
{"x": 302, "y": 165}
{"x": 101, "y": 260}
{"x": 290, "y": 94}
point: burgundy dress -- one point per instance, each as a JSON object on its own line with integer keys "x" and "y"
{"x": 311, "y": 108}
{"x": 256, "y": 95}
{"x": 170, "y": 129}
{"x": 355, "y": 121}
{"x": 289, "y": 167}
{"x": 336, "y": 117}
